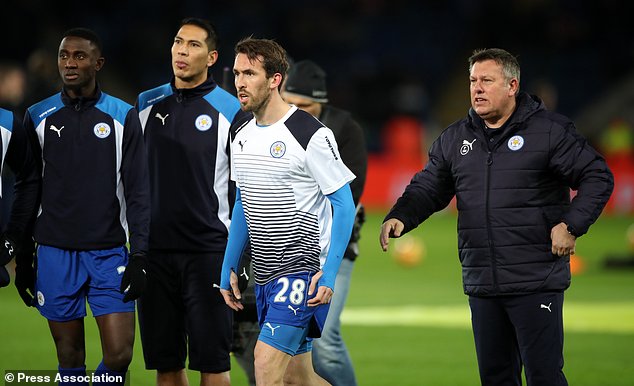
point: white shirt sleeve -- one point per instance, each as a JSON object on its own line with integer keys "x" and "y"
{"x": 231, "y": 163}
{"x": 324, "y": 162}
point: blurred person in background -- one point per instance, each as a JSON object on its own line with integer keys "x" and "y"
{"x": 187, "y": 125}
{"x": 511, "y": 164}
{"x": 305, "y": 87}
{"x": 94, "y": 200}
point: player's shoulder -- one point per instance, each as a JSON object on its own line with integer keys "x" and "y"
{"x": 302, "y": 126}
{"x": 44, "y": 108}
{"x": 240, "y": 124}
{"x": 224, "y": 102}
{"x": 151, "y": 97}
{"x": 6, "y": 119}
{"x": 117, "y": 108}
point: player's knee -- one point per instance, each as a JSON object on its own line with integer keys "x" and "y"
{"x": 118, "y": 360}
{"x": 70, "y": 356}
{"x": 265, "y": 373}
{"x": 292, "y": 379}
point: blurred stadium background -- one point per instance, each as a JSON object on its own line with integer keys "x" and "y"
{"x": 400, "y": 67}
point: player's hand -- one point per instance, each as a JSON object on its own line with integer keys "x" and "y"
{"x": 134, "y": 277}
{"x": 233, "y": 296}
{"x": 392, "y": 228}
{"x": 563, "y": 243}
{"x": 324, "y": 294}
{"x": 25, "y": 276}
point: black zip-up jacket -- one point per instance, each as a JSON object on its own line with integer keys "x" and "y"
{"x": 95, "y": 190}
{"x": 17, "y": 154}
{"x": 187, "y": 138}
{"x": 510, "y": 193}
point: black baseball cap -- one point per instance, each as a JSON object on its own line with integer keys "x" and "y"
{"x": 306, "y": 79}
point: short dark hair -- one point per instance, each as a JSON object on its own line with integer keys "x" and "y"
{"x": 212, "y": 34}
{"x": 274, "y": 58}
{"x": 509, "y": 63}
{"x": 85, "y": 33}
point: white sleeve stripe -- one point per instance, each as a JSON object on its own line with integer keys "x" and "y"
{"x": 118, "y": 131}
{"x": 221, "y": 181}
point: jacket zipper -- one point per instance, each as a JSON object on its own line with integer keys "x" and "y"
{"x": 488, "y": 221}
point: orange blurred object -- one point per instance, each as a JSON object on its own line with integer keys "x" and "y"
{"x": 577, "y": 265}
{"x": 408, "y": 251}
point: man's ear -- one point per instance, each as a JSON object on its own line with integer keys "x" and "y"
{"x": 276, "y": 81}
{"x": 514, "y": 86}
{"x": 100, "y": 62}
{"x": 212, "y": 57}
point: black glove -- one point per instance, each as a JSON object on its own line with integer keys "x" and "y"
{"x": 7, "y": 252}
{"x": 4, "y": 277}
{"x": 25, "y": 275}
{"x": 134, "y": 280}
{"x": 8, "y": 249}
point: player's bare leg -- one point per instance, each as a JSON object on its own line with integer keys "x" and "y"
{"x": 172, "y": 378}
{"x": 117, "y": 339}
{"x": 270, "y": 365}
{"x": 212, "y": 379}
{"x": 300, "y": 372}
{"x": 69, "y": 342}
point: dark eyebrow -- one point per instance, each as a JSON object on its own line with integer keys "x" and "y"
{"x": 188, "y": 41}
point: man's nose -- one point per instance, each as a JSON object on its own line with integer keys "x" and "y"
{"x": 182, "y": 50}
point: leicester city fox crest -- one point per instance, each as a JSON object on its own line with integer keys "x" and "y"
{"x": 516, "y": 142}
{"x": 203, "y": 122}
{"x": 102, "y": 130}
{"x": 278, "y": 149}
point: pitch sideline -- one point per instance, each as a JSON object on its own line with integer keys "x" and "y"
{"x": 615, "y": 317}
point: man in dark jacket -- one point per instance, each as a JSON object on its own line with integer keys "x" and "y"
{"x": 511, "y": 165}
{"x": 94, "y": 201}
{"x": 187, "y": 125}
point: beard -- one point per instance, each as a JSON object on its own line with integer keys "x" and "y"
{"x": 258, "y": 102}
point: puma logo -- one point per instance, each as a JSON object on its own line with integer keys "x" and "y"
{"x": 470, "y": 144}
{"x": 244, "y": 273}
{"x": 293, "y": 309}
{"x": 58, "y": 131}
{"x": 546, "y": 307}
{"x": 267, "y": 324}
{"x": 242, "y": 145}
{"x": 162, "y": 118}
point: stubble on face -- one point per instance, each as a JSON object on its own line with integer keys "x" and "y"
{"x": 251, "y": 84}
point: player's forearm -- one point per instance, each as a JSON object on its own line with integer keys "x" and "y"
{"x": 238, "y": 237}
{"x": 342, "y": 222}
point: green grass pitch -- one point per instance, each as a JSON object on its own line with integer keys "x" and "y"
{"x": 410, "y": 325}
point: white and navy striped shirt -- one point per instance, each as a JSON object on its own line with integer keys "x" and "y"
{"x": 284, "y": 172}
